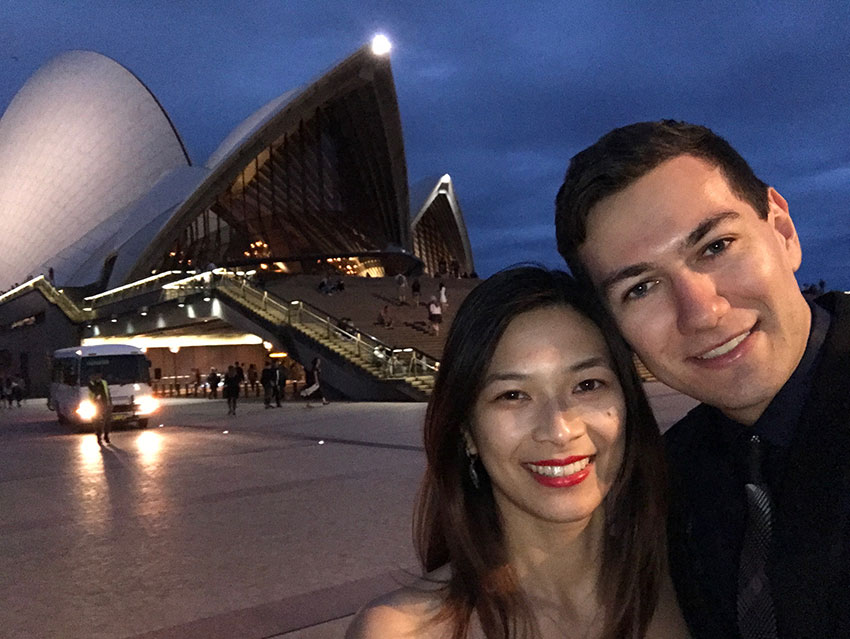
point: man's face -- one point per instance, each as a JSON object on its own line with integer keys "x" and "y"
{"x": 702, "y": 288}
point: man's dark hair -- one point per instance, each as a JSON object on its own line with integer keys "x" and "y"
{"x": 624, "y": 155}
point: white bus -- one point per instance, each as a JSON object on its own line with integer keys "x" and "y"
{"x": 125, "y": 369}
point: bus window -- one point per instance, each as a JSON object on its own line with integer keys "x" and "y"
{"x": 116, "y": 369}
{"x": 65, "y": 371}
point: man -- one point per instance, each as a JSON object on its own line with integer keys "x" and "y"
{"x": 268, "y": 380}
{"x": 280, "y": 382}
{"x": 99, "y": 395}
{"x": 213, "y": 380}
{"x": 695, "y": 258}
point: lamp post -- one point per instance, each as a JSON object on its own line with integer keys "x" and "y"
{"x": 174, "y": 350}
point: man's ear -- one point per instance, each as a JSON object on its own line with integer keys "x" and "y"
{"x": 469, "y": 442}
{"x": 783, "y": 226}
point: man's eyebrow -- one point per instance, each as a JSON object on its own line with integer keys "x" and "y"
{"x": 706, "y": 226}
{"x": 581, "y": 365}
{"x": 694, "y": 237}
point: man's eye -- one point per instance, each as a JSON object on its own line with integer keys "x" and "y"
{"x": 639, "y": 290}
{"x": 717, "y": 246}
{"x": 589, "y": 385}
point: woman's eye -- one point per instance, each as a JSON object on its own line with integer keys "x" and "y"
{"x": 717, "y": 246}
{"x": 512, "y": 395}
{"x": 589, "y": 385}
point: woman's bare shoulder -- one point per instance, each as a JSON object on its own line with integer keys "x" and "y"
{"x": 406, "y": 612}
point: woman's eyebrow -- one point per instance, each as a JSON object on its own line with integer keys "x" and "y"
{"x": 590, "y": 362}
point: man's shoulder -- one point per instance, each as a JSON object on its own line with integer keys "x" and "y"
{"x": 689, "y": 427}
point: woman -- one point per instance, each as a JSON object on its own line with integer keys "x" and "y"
{"x": 435, "y": 315}
{"x": 542, "y": 512}
{"x": 314, "y": 385}
{"x": 231, "y": 388}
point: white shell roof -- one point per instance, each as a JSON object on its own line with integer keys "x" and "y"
{"x": 249, "y": 125}
{"x": 81, "y": 140}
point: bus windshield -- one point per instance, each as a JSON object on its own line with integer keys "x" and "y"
{"x": 116, "y": 369}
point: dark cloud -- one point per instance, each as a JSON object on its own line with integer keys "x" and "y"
{"x": 502, "y": 94}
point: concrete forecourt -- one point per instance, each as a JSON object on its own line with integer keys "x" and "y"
{"x": 274, "y": 523}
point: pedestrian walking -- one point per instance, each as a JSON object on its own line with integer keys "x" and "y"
{"x": 314, "y": 385}
{"x": 435, "y": 315}
{"x": 444, "y": 301}
{"x": 100, "y": 397}
{"x": 230, "y": 389}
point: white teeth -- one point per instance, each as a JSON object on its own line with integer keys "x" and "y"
{"x": 724, "y": 348}
{"x": 560, "y": 471}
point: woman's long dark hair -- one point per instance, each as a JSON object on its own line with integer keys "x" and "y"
{"x": 458, "y": 524}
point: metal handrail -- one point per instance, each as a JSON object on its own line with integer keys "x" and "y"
{"x": 52, "y": 294}
{"x": 126, "y": 291}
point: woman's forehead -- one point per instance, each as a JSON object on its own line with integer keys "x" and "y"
{"x": 553, "y": 333}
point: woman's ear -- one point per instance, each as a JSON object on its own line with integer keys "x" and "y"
{"x": 469, "y": 442}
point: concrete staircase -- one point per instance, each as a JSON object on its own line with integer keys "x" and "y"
{"x": 363, "y": 298}
{"x": 362, "y": 352}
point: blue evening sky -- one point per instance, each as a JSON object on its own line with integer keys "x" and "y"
{"x": 501, "y": 94}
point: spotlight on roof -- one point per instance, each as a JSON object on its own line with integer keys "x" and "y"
{"x": 381, "y": 44}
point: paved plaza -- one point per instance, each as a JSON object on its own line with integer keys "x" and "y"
{"x": 274, "y": 523}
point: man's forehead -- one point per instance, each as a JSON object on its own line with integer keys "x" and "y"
{"x": 658, "y": 211}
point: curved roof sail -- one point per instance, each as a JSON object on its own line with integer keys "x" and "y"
{"x": 81, "y": 139}
{"x": 440, "y": 238}
{"x": 316, "y": 172}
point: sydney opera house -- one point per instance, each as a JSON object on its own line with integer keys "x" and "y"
{"x": 98, "y": 193}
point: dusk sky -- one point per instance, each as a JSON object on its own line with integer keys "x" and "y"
{"x": 501, "y": 94}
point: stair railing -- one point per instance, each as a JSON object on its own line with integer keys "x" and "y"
{"x": 391, "y": 362}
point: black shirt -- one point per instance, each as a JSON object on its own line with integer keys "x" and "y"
{"x": 707, "y": 453}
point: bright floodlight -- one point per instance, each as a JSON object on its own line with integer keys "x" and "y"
{"x": 381, "y": 44}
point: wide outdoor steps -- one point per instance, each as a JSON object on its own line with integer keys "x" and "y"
{"x": 363, "y": 298}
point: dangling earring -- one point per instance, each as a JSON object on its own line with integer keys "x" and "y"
{"x": 473, "y": 474}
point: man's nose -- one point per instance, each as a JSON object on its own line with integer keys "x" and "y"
{"x": 559, "y": 423}
{"x": 699, "y": 305}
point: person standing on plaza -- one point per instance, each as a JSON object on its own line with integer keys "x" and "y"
{"x": 230, "y": 389}
{"x": 252, "y": 379}
{"x": 314, "y": 383}
{"x": 267, "y": 381}
{"x": 280, "y": 382}
{"x": 444, "y": 300}
{"x": 695, "y": 257}
{"x": 401, "y": 287}
{"x": 100, "y": 397}
{"x": 213, "y": 380}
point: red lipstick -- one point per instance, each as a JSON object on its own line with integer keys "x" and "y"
{"x": 559, "y": 462}
{"x": 562, "y": 481}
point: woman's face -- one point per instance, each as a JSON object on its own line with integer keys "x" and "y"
{"x": 548, "y": 423}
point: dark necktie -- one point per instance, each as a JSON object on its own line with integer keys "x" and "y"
{"x": 756, "y": 618}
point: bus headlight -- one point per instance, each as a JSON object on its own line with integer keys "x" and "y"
{"x": 146, "y": 405}
{"x": 87, "y": 410}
